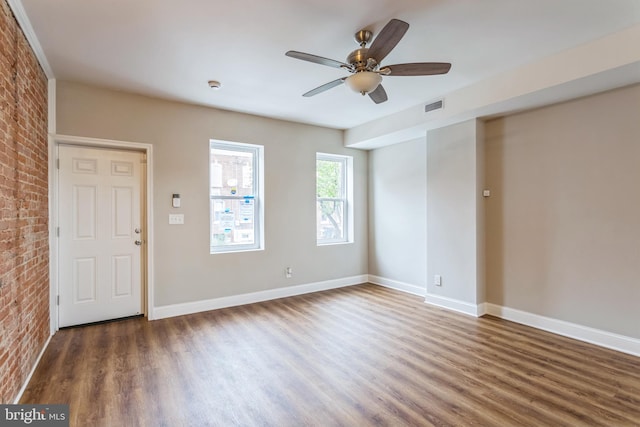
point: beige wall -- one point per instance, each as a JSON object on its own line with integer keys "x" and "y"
{"x": 454, "y": 236}
{"x": 180, "y": 133}
{"x": 563, "y": 221}
{"x": 397, "y": 212}
{"x": 562, "y": 224}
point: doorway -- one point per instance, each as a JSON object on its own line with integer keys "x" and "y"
{"x": 101, "y": 233}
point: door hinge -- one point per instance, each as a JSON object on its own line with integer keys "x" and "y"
{"x": 57, "y": 163}
{"x": 57, "y": 231}
{"x": 58, "y": 300}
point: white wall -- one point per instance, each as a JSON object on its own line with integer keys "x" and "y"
{"x": 397, "y": 213}
{"x": 180, "y": 133}
{"x": 454, "y": 235}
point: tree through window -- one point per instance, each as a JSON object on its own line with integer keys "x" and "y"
{"x": 332, "y": 202}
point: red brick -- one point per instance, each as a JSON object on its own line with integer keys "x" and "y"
{"x": 24, "y": 264}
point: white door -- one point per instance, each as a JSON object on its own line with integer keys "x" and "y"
{"x": 100, "y": 240}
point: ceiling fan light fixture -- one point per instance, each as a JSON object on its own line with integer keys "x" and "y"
{"x": 363, "y": 81}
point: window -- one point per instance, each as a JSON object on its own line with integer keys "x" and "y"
{"x": 236, "y": 196}
{"x": 333, "y": 195}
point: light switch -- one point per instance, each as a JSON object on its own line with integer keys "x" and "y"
{"x": 176, "y": 219}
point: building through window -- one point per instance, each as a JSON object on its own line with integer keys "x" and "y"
{"x": 235, "y": 191}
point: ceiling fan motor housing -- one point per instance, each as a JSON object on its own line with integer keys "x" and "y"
{"x": 358, "y": 58}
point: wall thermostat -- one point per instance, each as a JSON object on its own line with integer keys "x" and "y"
{"x": 175, "y": 200}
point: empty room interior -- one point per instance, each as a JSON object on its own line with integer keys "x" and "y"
{"x": 321, "y": 213}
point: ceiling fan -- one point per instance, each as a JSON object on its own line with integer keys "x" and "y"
{"x": 364, "y": 63}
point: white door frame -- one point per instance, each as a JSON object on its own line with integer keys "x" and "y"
{"x": 147, "y": 264}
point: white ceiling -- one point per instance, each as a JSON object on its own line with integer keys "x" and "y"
{"x": 170, "y": 49}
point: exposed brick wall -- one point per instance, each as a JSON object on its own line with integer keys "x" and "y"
{"x": 24, "y": 247}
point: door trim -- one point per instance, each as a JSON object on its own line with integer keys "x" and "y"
{"x": 147, "y": 264}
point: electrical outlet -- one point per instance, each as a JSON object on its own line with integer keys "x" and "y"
{"x": 288, "y": 272}
{"x": 437, "y": 280}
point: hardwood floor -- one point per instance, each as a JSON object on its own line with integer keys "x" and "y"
{"x": 362, "y": 355}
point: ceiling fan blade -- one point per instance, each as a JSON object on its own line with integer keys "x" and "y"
{"x": 317, "y": 59}
{"x": 325, "y": 87}
{"x": 379, "y": 95}
{"x": 418, "y": 69}
{"x": 387, "y": 39}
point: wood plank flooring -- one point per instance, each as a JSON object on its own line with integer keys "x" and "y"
{"x": 356, "y": 356}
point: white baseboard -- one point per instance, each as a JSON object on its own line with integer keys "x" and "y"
{"x": 33, "y": 369}
{"x": 455, "y": 305}
{"x": 572, "y": 330}
{"x": 583, "y": 333}
{"x": 400, "y": 286}
{"x": 164, "y": 311}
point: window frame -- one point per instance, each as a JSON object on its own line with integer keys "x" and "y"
{"x": 346, "y": 198}
{"x": 257, "y": 154}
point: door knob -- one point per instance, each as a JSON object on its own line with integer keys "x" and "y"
{"x": 138, "y": 242}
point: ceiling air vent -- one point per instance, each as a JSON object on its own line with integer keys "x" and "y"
{"x": 433, "y": 106}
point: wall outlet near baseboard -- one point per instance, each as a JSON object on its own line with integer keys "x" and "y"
{"x": 288, "y": 272}
{"x": 437, "y": 280}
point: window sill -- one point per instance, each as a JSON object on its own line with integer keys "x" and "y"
{"x": 334, "y": 243}
{"x": 234, "y": 251}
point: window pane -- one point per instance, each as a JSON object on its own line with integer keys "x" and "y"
{"x": 233, "y": 222}
{"x": 232, "y": 173}
{"x": 330, "y": 217}
{"x": 329, "y": 179}
{"x": 236, "y": 207}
